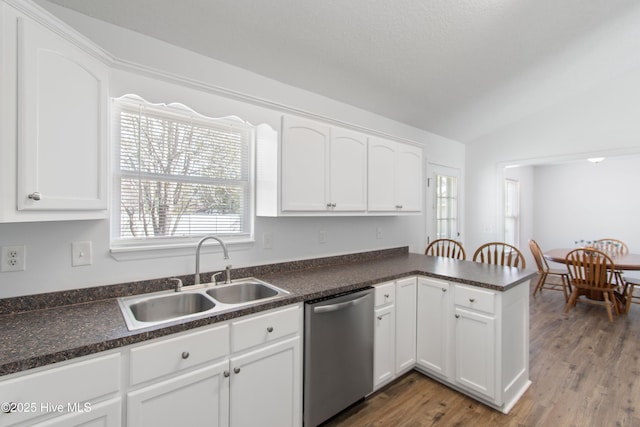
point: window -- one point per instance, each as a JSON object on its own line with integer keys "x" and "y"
{"x": 179, "y": 175}
{"x": 512, "y": 212}
{"x": 446, "y": 207}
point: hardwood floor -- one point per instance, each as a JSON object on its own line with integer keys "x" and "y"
{"x": 584, "y": 371}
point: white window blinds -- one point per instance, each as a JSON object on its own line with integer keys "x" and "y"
{"x": 180, "y": 174}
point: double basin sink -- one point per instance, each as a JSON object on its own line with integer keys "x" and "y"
{"x": 142, "y": 311}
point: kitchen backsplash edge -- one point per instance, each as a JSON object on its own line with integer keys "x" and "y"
{"x": 77, "y": 296}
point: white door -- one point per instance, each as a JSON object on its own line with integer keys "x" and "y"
{"x": 433, "y": 325}
{"x": 405, "y": 324}
{"x": 475, "y": 343}
{"x": 202, "y": 396}
{"x": 305, "y": 155}
{"x": 443, "y": 203}
{"x": 266, "y": 386}
{"x": 382, "y": 175}
{"x": 62, "y": 119}
{"x": 409, "y": 178}
{"x": 384, "y": 346}
{"x": 348, "y": 170}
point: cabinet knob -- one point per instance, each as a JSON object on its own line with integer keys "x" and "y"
{"x": 270, "y": 329}
{"x": 35, "y": 196}
{"x": 444, "y": 290}
{"x": 386, "y": 295}
{"x": 457, "y": 316}
{"x": 226, "y": 374}
{"x": 333, "y": 205}
{"x": 328, "y": 205}
{"x": 472, "y": 300}
{"x": 379, "y": 317}
{"x": 185, "y": 354}
{"x": 236, "y": 370}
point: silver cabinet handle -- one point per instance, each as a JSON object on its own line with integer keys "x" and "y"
{"x": 185, "y": 354}
{"x": 472, "y": 300}
{"x": 379, "y": 317}
{"x": 328, "y": 205}
{"x": 35, "y": 196}
{"x": 236, "y": 370}
{"x": 270, "y": 329}
{"x": 226, "y": 374}
{"x": 457, "y": 316}
{"x": 444, "y": 290}
{"x": 386, "y": 295}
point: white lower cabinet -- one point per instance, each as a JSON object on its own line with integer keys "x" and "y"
{"x": 266, "y": 386}
{"x": 201, "y": 395}
{"x": 475, "y": 340}
{"x": 405, "y": 357}
{"x": 82, "y": 392}
{"x": 433, "y": 322}
{"x": 395, "y": 330}
{"x": 245, "y": 372}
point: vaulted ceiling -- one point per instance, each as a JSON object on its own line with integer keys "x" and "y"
{"x": 457, "y": 68}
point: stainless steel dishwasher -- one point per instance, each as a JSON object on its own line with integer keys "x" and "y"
{"x": 338, "y": 353}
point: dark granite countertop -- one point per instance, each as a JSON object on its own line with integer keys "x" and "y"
{"x": 40, "y": 337}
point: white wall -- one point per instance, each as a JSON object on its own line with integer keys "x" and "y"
{"x": 602, "y": 119}
{"x": 215, "y": 89}
{"x": 587, "y": 201}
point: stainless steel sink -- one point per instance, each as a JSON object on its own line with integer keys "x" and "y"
{"x": 238, "y": 293}
{"x": 142, "y": 311}
{"x": 170, "y": 306}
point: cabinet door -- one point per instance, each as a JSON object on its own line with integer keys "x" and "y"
{"x": 348, "y": 170}
{"x": 62, "y": 119}
{"x": 475, "y": 342}
{"x": 266, "y": 386}
{"x": 384, "y": 346}
{"x": 405, "y": 324}
{"x": 382, "y": 175}
{"x": 409, "y": 178}
{"x": 199, "y": 398}
{"x": 305, "y": 156}
{"x": 103, "y": 414}
{"x": 433, "y": 325}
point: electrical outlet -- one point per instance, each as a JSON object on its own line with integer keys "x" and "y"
{"x": 379, "y": 233}
{"x": 322, "y": 236}
{"x": 13, "y": 258}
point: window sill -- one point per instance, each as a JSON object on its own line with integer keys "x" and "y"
{"x": 140, "y": 251}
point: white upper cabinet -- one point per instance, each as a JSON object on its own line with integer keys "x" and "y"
{"x": 324, "y": 168}
{"x": 305, "y": 159}
{"x": 55, "y": 97}
{"x": 395, "y": 176}
{"x": 348, "y": 170}
{"x": 319, "y": 169}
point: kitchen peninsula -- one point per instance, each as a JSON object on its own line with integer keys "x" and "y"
{"x": 484, "y": 306}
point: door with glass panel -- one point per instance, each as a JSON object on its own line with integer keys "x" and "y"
{"x": 443, "y": 192}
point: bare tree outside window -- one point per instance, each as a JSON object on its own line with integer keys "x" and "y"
{"x": 181, "y": 175}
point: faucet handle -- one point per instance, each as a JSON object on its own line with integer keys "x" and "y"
{"x": 178, "y": 283}
{"x": 214, "y": 277}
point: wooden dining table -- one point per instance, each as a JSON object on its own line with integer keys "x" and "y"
{"x": 628, "y": 262}
{"x": 622, "y": 262}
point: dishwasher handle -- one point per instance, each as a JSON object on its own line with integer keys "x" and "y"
{"x": 339, "y": 306}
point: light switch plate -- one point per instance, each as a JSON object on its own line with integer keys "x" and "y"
{"x": 81, "y": 254}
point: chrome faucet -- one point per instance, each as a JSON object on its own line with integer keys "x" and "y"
{"x": 224, "y": 250}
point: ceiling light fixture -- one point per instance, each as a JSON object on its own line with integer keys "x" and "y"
{"x": 595, "y": 159}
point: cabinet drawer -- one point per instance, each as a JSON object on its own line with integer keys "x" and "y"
{"x": 475, "y": 298}
{"x": 176, "y": 354}
{"x": 385, "y": 294}
{"x": 48, "y": 390}
{"x": 264, "y": 328}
